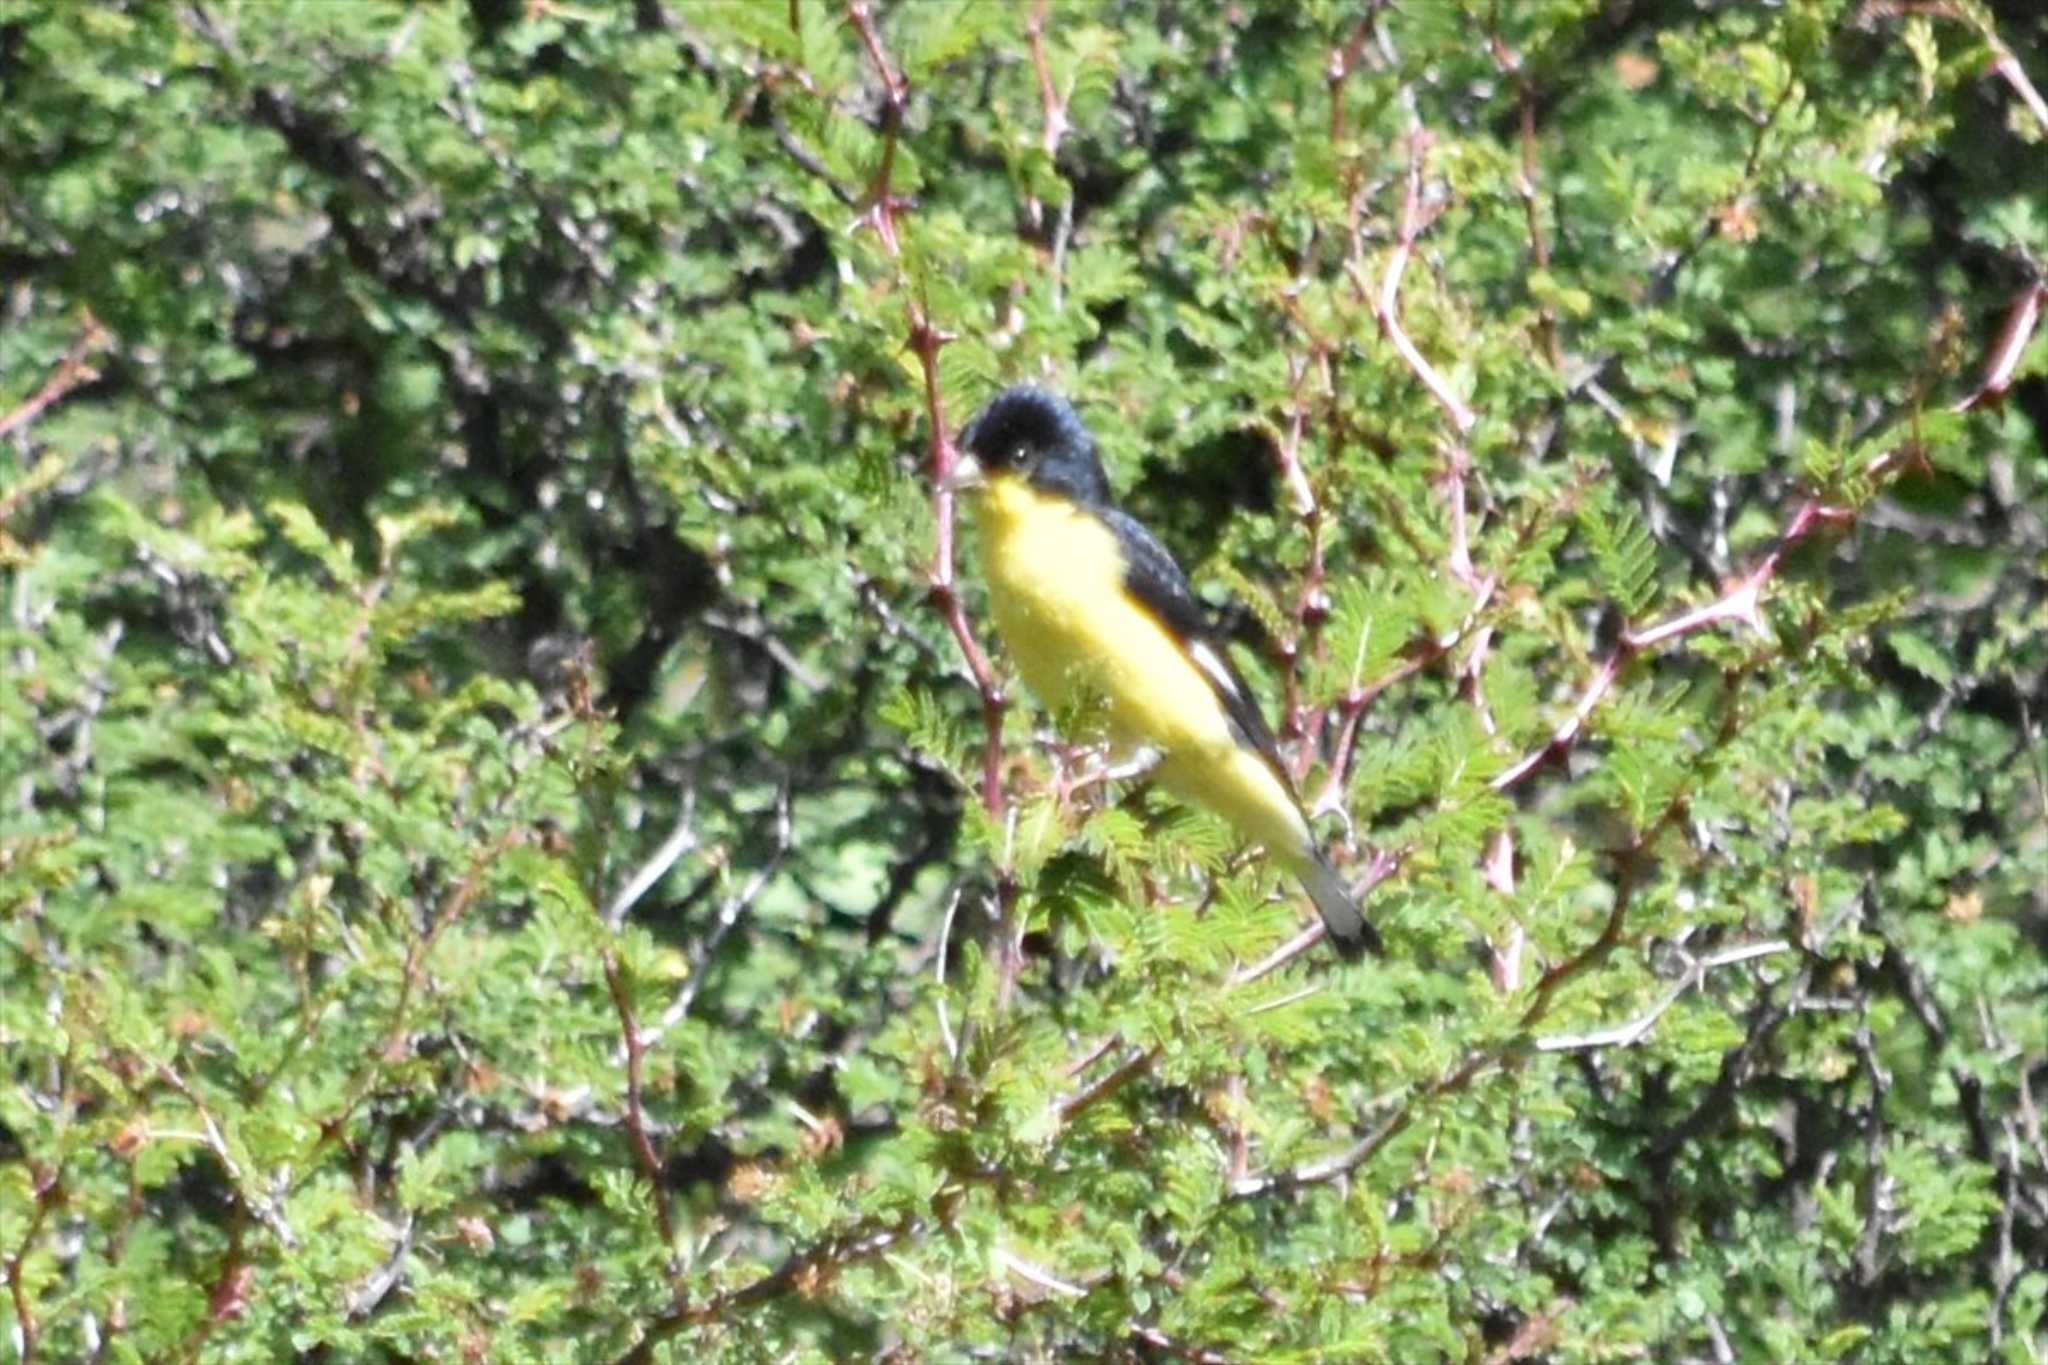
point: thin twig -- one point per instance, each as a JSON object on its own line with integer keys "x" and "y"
{"x": 1386, "y": 305}
{"x": 1281, "y": 956}
{"x": 1341, "y": 1163}
{"x": 1741, "y": 602}
{"x": 459, "y": 899}
{"x": 681, "y": 840}
{"x": 70, "y": 372}
{"x": 261, "y": 1206}
{"x": 1135, "y": 1061}
{"x": 836, "y": 1250}
{"x": 1636, "y": 1029}
{"x": 46, "y": 1186}
{"x": 939, "y": 977}
{"x": 635, "y": 1118}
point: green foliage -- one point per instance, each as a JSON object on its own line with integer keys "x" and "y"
{"x": 493, "y": 852}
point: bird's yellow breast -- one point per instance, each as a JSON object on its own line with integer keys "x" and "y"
{"x": 1056, "y": 588}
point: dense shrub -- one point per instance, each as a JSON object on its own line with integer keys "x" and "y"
{"x": 503, "y": 854}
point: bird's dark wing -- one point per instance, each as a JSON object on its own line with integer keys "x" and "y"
{"x": 1153, "y": 578}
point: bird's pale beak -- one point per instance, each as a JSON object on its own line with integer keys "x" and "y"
{"x": 966, "y": 474}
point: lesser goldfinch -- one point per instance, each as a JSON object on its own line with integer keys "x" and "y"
{"x": 1090, "y": 604}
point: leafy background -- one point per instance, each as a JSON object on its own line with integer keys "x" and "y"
{"x": 502, "y": 855}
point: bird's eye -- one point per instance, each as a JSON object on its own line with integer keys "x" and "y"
{"x": 1021, "y": 457}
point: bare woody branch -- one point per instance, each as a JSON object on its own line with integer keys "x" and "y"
{"x": 926, "y": 341}
{"x": 2003, "y": 360}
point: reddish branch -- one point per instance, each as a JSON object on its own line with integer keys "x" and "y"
{"x": 636, "y": 1114}
{"x": 944, "y": 581}
{"x": 1343, "y": 61}
{"x": 1055, "y": 127}
{"x": 1385, "y": 301}
{"x": 71, "y": 371}
{"x": 2003, "y": 64}
{"x": 1310, "y": 603}
{"x": 925, "y": 341}
{"x": 1739, "y": 602}
{"x": 882, "y": 204}
{"x": 1352, "y": 706}
{"x": 47, "y": 1190}
{"x": 2011, "y": 343}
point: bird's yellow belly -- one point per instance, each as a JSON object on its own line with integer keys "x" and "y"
{"x": 1055, "y": 577}
{"x": 1055, "y": 580}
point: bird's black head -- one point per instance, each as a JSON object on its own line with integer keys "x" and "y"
{"x": 1034, "y": 435}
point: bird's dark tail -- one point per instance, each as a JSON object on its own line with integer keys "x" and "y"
{"x": 1343, "y": 922}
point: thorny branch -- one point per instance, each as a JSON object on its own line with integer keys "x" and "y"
{"x": 1740, "y": 602}
{"x": 926, "y": 341}
{"x": 1352, "y": 705}
{"x": 1458, "y": 564}
{"x": 1386, "y": 307}
{"x": 1048, "y": 96}
{"x": 1634, "y": 862}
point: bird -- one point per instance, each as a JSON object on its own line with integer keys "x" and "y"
{"x": 1092, "y": 607}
